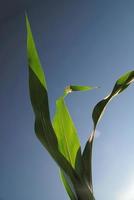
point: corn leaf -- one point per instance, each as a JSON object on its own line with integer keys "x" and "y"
{"x": 66, "y": 132}
{"x": 68, "y": 186}
{"x": 39, "y": 99}
{"x": 43, "y": 126}
{"x": 74, "y": 88}
{"x": 121, "y": 84}
{"x": 68, "y": 141}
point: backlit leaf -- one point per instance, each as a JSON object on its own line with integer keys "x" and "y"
{"x": 43, "y": 126}
{"x": 39, "y": 100}
{"x": 66, "y": 132}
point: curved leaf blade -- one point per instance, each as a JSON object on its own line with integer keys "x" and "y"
{"x": 68, "y": 140}
{"x": 43, "y": 126}
{"x": 33, "y": 58}
{"x": 87, "y": 163}
{"x": 39, "y": 99}
{"x": 121, "y": 84}
{"x": 69, "y": 189}
{"x": 66, "y": 132}
{"x": 64, "y": 127}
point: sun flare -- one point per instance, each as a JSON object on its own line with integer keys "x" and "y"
{"x": 127, "y": 193}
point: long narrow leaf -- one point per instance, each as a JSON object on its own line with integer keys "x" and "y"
{"x": 67, "y": 136}
{"x": 43, "y": 126}
{"x": 66, "y": 132}
{"x": 69, "y": 188}
{"x": 39, "y": 100}
{"x": 121, "y": 84}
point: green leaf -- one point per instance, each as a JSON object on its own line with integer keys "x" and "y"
{"x": 69, "y": 189}
{"x": 43, "y": 126}
{"x": 39, "y": 99}
{"x": 121, "y": 84}
{"x": 75, "y": 88}
{"x": 38, "y": 93}
{"x": 87, "y": 163}
{"x": 68, "y": 140}
{"x": 33, "y": 58}
{"x": 66, "y": 132}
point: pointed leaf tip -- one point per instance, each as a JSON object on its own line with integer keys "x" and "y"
{"x": 121, "y": 84}
{"x": 77, "y": 88}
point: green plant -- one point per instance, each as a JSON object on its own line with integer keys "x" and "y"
{"x": 59, "y": 136}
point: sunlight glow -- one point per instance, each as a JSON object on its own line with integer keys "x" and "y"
{"x": 127, "y": 193}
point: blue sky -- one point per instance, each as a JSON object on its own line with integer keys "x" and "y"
{"x": 79, "y": 42}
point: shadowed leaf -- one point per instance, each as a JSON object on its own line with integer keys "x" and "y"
{"x": 121, "y": 84}
{"x": 43, "y": 126}
{"x": 39, "y": 100}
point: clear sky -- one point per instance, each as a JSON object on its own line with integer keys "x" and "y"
{"x": 89, "y": 42}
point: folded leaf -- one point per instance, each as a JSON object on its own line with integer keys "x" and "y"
{"x": 43, "y": 126}
{"x": 39, "y": 100}
{"x": 121, "y": 84}
{"x": 87, "y": 163}
{"x": 66, "y": 132}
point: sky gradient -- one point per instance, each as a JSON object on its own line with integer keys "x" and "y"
{"x": 79, "y": 42}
